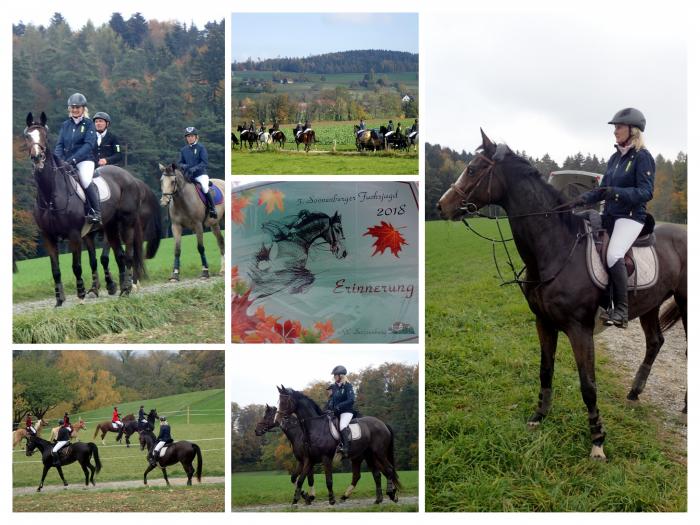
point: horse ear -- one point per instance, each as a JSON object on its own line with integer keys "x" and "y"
{"x": 161, "y": 167}
{"x": 279, "y": 390}
{"x": 267, "y": 407}
{"x": 30, "y": 119}
{"x": 43, "y": 119}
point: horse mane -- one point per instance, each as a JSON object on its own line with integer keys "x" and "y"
{"x": 280, "y": 230}
{"x": 301, "y": 397}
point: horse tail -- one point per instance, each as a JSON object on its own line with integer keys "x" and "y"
{"x": 199, "y": 461}
{"x": 97, "y": 429}
{"x": 395, "y": 477}
{"x": 96, "y": 455}
{"x": 154, "y": 228}
{"x": 669, "y": 317}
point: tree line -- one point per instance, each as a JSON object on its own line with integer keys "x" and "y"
{"x": 388, "y": 392}
{"x": 670, "y": 203}
{"x": 357, "y": 61}
{"x": 50, "y": 383}
{"x": 153, "y": 78}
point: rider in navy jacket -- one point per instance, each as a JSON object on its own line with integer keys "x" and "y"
{"x": 194, "y": 160}
{"x": 341, "y": 403}
{"x": 164, "y": 438}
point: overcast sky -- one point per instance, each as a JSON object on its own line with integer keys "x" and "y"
{"x": 550, "y": 82}
{"x": 271, "y": 35}
{"x": 78, "y": 13}
{"x": 255, "y": 372}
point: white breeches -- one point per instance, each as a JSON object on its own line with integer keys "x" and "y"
{"x": 344, "y": 420}
{"x": 623, "y": 236}
{"x": 59, "y": 445}
{"x": 203, "y": 182}
{"x": 389, "y": 134}
{"x": 32, "y": 430}
{"x": 158, "y": 446}
{"x": 117, "y": 424}
{"x": 86, "y": 170}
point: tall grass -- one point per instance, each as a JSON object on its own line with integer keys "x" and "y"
{"x": 482, "y": 381}
{"x": 134, "y": 313}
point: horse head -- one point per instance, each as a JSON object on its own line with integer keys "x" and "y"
{"x": 477, "y": 185}
{"x": 31, "y": 445}
{"x": 268, "y": 422}
{"x": 287, "y": 404}
{"x": 169, "y": 185}
{"x": 335, "y": 236}
{"x": 35, "y": 136}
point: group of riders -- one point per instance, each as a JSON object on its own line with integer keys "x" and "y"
{"x": 86, "y": 145}
{"x": 66, "y": 430}
{"x": 391, "y": 135}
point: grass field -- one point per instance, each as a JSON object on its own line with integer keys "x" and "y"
{"x": 262, "y": 488}
{"x": 345, "y": 160}
{"x": 206, "y": 428}
{"x": 34, "y": 280}
{"x": 197, "y": 498}
{"x": 482, "y": 381}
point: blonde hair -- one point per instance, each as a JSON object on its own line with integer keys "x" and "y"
{"x": 636, "y": 138}
{"x": 343, "y": 379}
{"x": 86, "y": 112}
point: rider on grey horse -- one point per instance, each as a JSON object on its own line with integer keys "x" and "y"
{"x": 193, "y": 163}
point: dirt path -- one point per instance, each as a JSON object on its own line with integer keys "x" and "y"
{"x": 321, "y": 506}
{"x": 668, "y": 381}
{"x": 72, "y": 299}
{"x": 111, "y": 485}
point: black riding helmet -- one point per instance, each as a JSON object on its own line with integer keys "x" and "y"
{"x": 630, "y": 117}
{"x": 191, "y": 130}
{"x": 339, "y": 370}
{"x": 104, "y": 116}
{"x": 77, "y": 99}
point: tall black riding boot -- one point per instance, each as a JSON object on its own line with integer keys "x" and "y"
{"x": 345, "y": 438}
{"x": 94, "y": 216}
{"x": 210, "y": 203}
{"x": 618, "y": 279}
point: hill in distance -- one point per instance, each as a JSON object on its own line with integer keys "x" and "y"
{"x": 357, "y": 61}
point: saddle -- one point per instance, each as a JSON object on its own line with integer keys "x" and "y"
{"x": 354, "y": 426}
{"x": 218, "y": 195}
{"x": 102, "y": 187}
{"x": 641, "y": 260}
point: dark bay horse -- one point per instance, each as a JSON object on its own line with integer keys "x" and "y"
{"x": 306, "y": 137}
{"x": 556, "y": 285}
{"x": 278, "y": 137}
{"x": 80, "y": 452}
{"x": 292, "y": 430}
{"x": 149, "y": 215}
{"x": 282, "y": 264}
{"x": 182, "y": 452}
{"x": 106, "y": 426}
{"x": 60, "y": 214}
{"x": 247, "y": 136}
{"x": 376, "y": 446}
{"x": 186, "y": 210}
{"x": 132, "y": 426}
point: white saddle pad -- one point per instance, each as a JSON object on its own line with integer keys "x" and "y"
{"x": 355, "y": 431}
{"x": 162, "y": 450}
{"x": 102, "y": 188}
{"x": 646, "y": 267}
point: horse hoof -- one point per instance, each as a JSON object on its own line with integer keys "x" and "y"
{"x": 633, "y": 396}
{"x": 93, "y": 293}
{"x": 377, "y": 501}
{"x": 125, "y": 292}
{"x": 597, "y": 453}
{"x": 111, "y": 289}
{"x": 343, "y": 498}
{"x": 331, "y": 502}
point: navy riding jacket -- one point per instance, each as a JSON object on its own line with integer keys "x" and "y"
{"x": 196, "y": 158}
{"x": 343, "y": 398}
{"x": 632, "y": 178}
{"x": 142, "y": 414}
{"x": 164, "y": 433}
{"x": 76, "y": 142}
{"x": 63, "y": 434}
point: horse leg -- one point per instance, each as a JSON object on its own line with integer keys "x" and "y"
{"x": 60, "y": 473}
{"x": 681, "y": 299}
{"x": 92, "y": 472}
{"x": 377, "y": 475}
{"x": 92, "y": 256}
{"x": 654, "y": 340}
{"x": 128, "y": 238}
{"x": 548, "y": 346}
{"x": 300, "y": 481}
{"x": 87, "y": 474}
{"x": 189, "y": 470}
{"x": 104, "y": 260}
{"x": 328, "y": 468}
{"x": 165, "y": 475}
{"x": 148, "y": 469}
{"x": 75, "y": 244}
{"x": 581, "y": 339}
{"x": 52, "y": 249}
{"x": 355, "y": 478}
{"x": 199, "y": 231}
{"x": 177, "y": 233}
{"x": 216, "y": 230}
{"x": 43, "y": 477}
{"x": 115, "y": 242}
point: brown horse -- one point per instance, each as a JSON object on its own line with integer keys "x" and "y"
{"x": 187, "y": 210}
{"x": 74, "y": 434}
{"x": 306, "y": 137}
{"x": 107, "y": 426}
{"x": 21, "y": 433}
{"x": 557, "y": 286}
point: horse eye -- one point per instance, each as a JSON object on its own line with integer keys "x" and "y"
{"x": 470, "y": 170}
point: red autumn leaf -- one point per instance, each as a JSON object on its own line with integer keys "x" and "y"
{"x": 238, "y": 204}
{"x": 241, "y": 322}
{"x": 387, "y": 237}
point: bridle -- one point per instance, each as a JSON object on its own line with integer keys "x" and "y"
{"x": 472, "y": 209}
{"x": 47, "y": 204}
{"x": 172, "y": 193}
